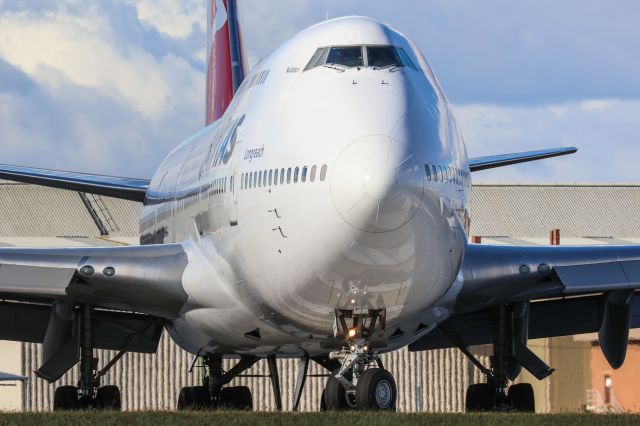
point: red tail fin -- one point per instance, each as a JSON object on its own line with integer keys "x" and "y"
{"x": 225, "y": 58}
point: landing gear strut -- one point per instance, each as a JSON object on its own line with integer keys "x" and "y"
{"x": 88, "y": 393}
{"x": 212, "y": 394}
{"x": 510, "y": 334}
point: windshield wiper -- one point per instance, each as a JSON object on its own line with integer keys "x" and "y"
{"x": 337, "y": 67}
{"x": 390, "y": 67}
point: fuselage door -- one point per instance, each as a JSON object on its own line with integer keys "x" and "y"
{"x": 231, "y": 157}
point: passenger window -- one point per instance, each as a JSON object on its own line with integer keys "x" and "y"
{"x": 224, "y": 185}
{"x": 289, "y": 175}
{"x": 323, "y": 173}
{"x": 270, "y": 177}
{"x": 260, "y": 179}
{"x": 296, "y": 173}
{"x": 281, "y": 176}
{"x": 264, "y": 179}
{"x": 304, "y": 174}
{"x": 255, "y": 179}
{"x": 350, "y": 56}
{"x": 275, "y": 177}
{"x": 435, "y": 173}
{"x": 428, "y": 170}
{"x": 312, "y": 176}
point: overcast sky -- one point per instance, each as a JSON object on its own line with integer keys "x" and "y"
{"x": 110, "y": 86}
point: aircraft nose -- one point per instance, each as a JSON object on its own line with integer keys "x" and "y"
{"x": 377, "y": 184}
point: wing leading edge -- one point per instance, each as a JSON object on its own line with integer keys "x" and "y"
{"x": 132, "y": 292}
{"x": 565, "y": 290}
{"x": 146, "y": 279}
{"x": 492, "y": 161}
{"x": 111, "y": 186}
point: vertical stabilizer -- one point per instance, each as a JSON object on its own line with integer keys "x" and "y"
{"x": 225, "y": 58}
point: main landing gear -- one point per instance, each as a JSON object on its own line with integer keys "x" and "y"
{"x": 510, "y": 325}
{"x": 213, "y": 395}
{"x": 356, "y": 384}
{"x": 88, "y": 394}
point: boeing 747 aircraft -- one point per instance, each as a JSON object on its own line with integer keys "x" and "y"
{"x": 322, "y": 214}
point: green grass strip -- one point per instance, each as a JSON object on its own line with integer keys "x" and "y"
{"x": 159, "y": 418}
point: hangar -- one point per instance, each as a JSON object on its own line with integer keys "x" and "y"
{"x": 588, "y": 214}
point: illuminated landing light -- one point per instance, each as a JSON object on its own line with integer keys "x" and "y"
{"x": 352, "y": 332}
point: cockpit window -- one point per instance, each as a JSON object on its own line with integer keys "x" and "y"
{"x": 383, "y": 56}
{"x": 350, "y": 56}
{"x": 315, "y": 59}
{"x": 353, "y": 56}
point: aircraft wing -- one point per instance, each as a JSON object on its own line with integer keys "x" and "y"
{"x": 133, "y": 289}
{"x": 566, "y": 289}
{"x": 492, "y": 161}
{"x": 131, "y": 278}
{"x": 112, "y": 186}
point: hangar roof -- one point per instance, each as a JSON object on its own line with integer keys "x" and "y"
{"x": 605, "y": 213}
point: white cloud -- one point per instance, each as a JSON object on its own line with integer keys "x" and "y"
{"x": 93, "y": 89}
{"x": 605, "y": 131}
{"x": 175, "y": 18}
{"x": 82, "y": 49}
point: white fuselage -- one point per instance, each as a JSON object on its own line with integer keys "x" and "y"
{"x": 359, "y": 225}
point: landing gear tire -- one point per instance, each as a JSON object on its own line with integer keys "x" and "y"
{"x": 65, "y": 398}
{"x": 87, "y": 402}
{"x": 108, "y": 398}
{"x": 336, "y": 397}
{"x": 236, "y": 398}
{"x": 522, "y": 397}
{"x": 376, "y": 390}
{"x": 194, "y": 398}
{"x": 480, "y": 397}
{"x": 323, "y": 402}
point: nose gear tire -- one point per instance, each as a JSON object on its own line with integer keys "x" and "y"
{"x": 376, "y": 390}
{"x": 335, "y": 395}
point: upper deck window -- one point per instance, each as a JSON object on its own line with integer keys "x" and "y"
{"x": 383, "y": 56}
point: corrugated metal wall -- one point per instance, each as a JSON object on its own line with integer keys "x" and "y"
{"x": 427, "y": 381}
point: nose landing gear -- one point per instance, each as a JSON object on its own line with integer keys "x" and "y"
{"x": 354, "y": 385}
